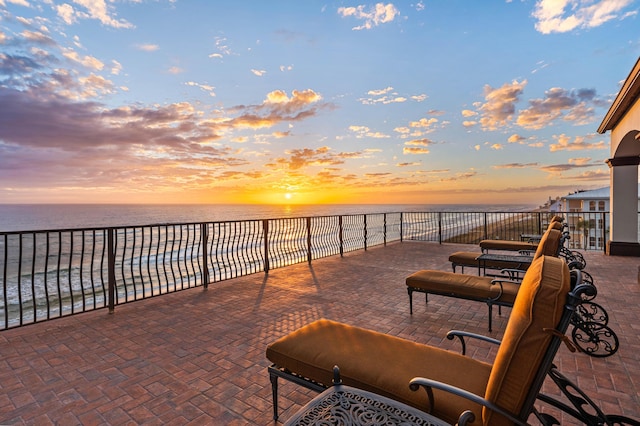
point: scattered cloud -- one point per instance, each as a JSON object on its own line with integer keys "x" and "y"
{"x": 379, "y": 14}
{"x": 573, "y": 104}
{"x": 414, "y": 150}
{"x": 205, "y": 87}
{"x": 460, "y": 176}
{"x": 258, "y": 73}
{"x": 305, "y": 157}
{"x": 147, "y": 47}
{"x": 499, "y": 107}
{"x": 599, "y": 175}
{"x": 558, "y": 169}
{"x": 579, "y": 143}
{"x": 365, "y": 132}
{"x": 423, "y": 123}
{"x": 175, "y": 70}
{"x": 417, "y": 146}
{"x": 563, "y": 16}
{"x": 515, "y": 166}
{"x": 91, "y": 9}
{"x": 515, "y": 138}
{"x": 388, "y": 96}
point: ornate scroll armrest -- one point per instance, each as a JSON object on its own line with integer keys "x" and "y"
{"x": 513, "y": 274}
{"x": 462, "y": 334}
{"x": 467, "y": 416}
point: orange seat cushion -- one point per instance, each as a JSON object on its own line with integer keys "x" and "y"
{"x": 468, "y": 258}
{"x": 461, "y": 285}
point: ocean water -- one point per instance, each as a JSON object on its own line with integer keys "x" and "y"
{"x": 36, "y": 217}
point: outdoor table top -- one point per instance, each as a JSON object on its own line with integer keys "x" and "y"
{"x": 514, "y": 258}
{"x": 345, "y": 405}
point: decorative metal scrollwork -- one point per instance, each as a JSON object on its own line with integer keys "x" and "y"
{"x": 592, "y": 312}
{"x": 349, "y": 408}
{"x": 581, "y": 408}
{"x": 590, "y": 330}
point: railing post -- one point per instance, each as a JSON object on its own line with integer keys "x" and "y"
{"x": 204, "y": 233}
{"x": 539, "y": 223}
{"x": 111, "y": 267}
{"x": 365, "y": 232}
{"x": 265, "y": 230}
{"x": 341, "y": 236}
{"x": 309, "y": 240}
{"x": 440, "y": 227}
{"x": 401, "y": 226}
{"x": 486, "y": 231}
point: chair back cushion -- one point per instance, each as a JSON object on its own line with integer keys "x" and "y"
{"x": 538, "y": 305}
{"x": 549, "y": 244}
{"x": 555, "y": 225}
{"x": 556, "y": 218}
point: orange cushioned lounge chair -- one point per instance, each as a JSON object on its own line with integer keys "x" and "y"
{"x": 490, "y": 290}
{"x": 504, "y": 392}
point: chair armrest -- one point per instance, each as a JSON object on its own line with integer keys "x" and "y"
{"x": 417, "y": 382}
{"x": 513, "y": 274}
{"x": 462, "y": 334}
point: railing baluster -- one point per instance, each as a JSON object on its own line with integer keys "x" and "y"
{"x": 204, "y": 235}
{"x": 265, "y": 232}
{"x": 33, "y": 277}
{"x": 111, "y": 266}
{"x": 5, "y": 287}
{"x": 308, "y": 220}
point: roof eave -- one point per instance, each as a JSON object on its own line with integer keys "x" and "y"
{"x": 624, "y": 100}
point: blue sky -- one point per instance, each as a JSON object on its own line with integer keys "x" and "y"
{"x": 308, "y": 102}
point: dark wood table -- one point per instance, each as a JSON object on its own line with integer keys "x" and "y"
{"x": 519, "y": 261}
{"x": 344, "y": 405}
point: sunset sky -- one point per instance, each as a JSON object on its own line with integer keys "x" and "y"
{"x": 176, "y": 101}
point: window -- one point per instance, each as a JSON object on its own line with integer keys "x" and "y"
{"x": 601, "y": 206}
{"x": 592, "y": 241}
{"x": 592, "y": 206}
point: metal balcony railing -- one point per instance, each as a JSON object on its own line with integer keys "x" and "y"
{"x": 49, "y": 274}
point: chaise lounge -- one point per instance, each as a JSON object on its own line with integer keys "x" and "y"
{"x": 459, "y": 388}
{"x": 490, "y": 290}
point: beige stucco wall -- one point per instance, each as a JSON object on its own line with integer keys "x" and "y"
{"x": 630, "y": 122}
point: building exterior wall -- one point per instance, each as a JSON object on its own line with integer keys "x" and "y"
{"x": 628, "y": 123}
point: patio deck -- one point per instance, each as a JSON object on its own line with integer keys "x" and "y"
{"x": 198, "y": 356}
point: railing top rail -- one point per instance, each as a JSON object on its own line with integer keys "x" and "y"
{"x": 151, "y": 225}
{"x": 159, "y": 224}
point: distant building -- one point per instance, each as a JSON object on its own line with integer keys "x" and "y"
{"x": 588, "y": 217}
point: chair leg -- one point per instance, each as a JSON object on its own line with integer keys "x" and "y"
{"x": 410, "y": 291}
{"x": 274, "y": 392}
{"x": 490, "y": 316}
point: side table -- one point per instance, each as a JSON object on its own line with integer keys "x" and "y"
{"x": 345, "y": 405}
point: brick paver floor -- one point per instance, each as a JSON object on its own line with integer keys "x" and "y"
{"x": 198, "y": 356}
